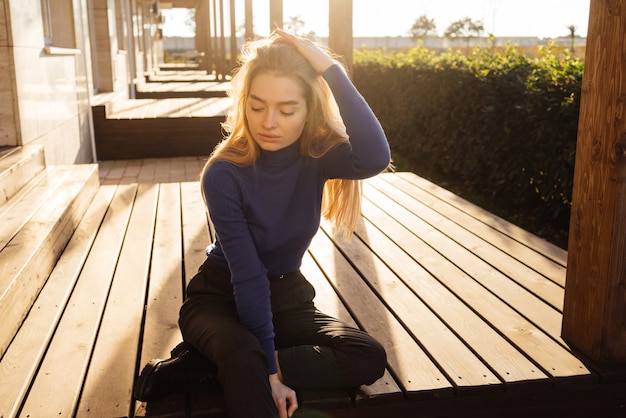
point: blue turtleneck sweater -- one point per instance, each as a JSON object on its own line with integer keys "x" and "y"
{"x": 265, "y": 215}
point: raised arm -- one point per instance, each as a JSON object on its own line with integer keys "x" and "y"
{"x": 368, "y": 152}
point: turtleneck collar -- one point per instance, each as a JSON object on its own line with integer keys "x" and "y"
{"x": 283, "y": 156}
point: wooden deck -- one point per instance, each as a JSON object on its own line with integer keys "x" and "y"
{"x": 467, "y": 305}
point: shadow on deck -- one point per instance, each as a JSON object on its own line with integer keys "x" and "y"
{"x": 467, "y": 305}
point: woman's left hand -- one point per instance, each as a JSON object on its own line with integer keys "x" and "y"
{"x": 317, "y": 57}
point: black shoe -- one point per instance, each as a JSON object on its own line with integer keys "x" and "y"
{"x": 186, "y": 370}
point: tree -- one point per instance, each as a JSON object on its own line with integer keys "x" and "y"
{"x": 422, "y": 28}
{"x": 190, "y": 19}
{"x": 465, "y": 28}
{"x": 296, "y": 25}
{"x": 572, "y": 36}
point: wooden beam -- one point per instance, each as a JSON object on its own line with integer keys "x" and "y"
{"x": 203, "y": 35}
{"x": 340, "y": 30}
{"x": 249, "y": 34}
{"x": 220, "y": 59}
{"x": 233, "y": 37}
{"x": 276, "y": 14}
{"x": 594, "y": 313}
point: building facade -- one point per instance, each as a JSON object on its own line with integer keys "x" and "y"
{"x": 57, "y": 57}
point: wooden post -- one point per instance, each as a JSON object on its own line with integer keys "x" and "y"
{"x": 340, "y": 30}
{"x": 594, "y": 312}
{"x": 203, "y": 35}
{"x": 249, "y": 35}
{"x": 221, "y": 66}
{"x": 276, "y": 14}
{"x": 233, "y": 37}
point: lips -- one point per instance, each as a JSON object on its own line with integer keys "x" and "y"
{"x": 269, "y": 137}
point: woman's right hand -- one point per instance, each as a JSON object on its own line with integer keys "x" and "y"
{"x": 317, "y": 57}
{"x": 284, "y": 397}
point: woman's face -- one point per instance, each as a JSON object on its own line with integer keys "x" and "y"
{"x": 276, "y": 111}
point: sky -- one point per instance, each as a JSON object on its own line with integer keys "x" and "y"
{"x": 505, "y": 18}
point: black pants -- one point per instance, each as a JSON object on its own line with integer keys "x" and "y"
{"x": 315, "y": 351}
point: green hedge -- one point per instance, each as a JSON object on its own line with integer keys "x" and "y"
{"x": 497, "y": 127}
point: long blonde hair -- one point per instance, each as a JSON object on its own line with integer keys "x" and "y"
{"x": 324, "y": 129}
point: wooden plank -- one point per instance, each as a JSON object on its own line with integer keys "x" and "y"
{"x": 115, "y": 172}
{"x": 162, "y": 171}
{"x": 327, "y": 301}
{"x": 23, "y": 357}
{"x": 177, "y": 169}
{"x": 114, "y": 358}
{"x": 547, "y": 353}
{"x": 67, "y": 358}
{"x": 5, "y": 151}
{"x": 536, "y": 261}
{"x": 103, "y": 169}
{"x": 22, "y": 208}
{"x": 540, "y": 245}
{"x": 191, "y": 172}
{"x": 160, "y": 109}
{"x": 181, "y": 89}
{"x": 476, "y": 240}
{"x": 505, "y": 360}
{"x": 170, "y": 107}
{"x": 165, "y": 292}
{"x": 461, "y": 366}
{"x": 19, "y": 167}
{"x": 27, "y": 262}
{"x": 193, "y": 169}
{"x": 195, "y": 227}
{"x": 411, "y": 367}
{"x": 131, "y": 171}
{"x": 437, "y": 232}
{"x": 187, "y": 76}
{"x": 147, "y": 171}
{"x": 5, "y": 208}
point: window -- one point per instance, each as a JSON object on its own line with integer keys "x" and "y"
{"x": 58, "y": 23}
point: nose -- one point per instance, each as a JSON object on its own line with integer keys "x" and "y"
{"x": 269, "y": 121}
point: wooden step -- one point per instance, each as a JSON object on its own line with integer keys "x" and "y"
{"x": 187, "y": 75}
{"x": 35, "y": 241}
{"x": 17, "y": 168}
{"x": 165, "y": 90}
{"x": 23, "y": 358}
{"x": 158, "y": 128}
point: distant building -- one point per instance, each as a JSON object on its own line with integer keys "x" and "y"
{"x": 181, "y": 47}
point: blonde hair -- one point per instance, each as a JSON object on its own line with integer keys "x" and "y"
{"x": 324, "y": 129}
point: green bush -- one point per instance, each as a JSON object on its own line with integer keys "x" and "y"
{"x": 497, "y": 127}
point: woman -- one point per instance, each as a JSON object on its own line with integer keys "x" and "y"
{"x": 300, "y": 137}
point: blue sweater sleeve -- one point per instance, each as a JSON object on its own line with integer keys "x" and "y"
{"x": 368, "y": 152}
{"x": 248, "y": 274}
